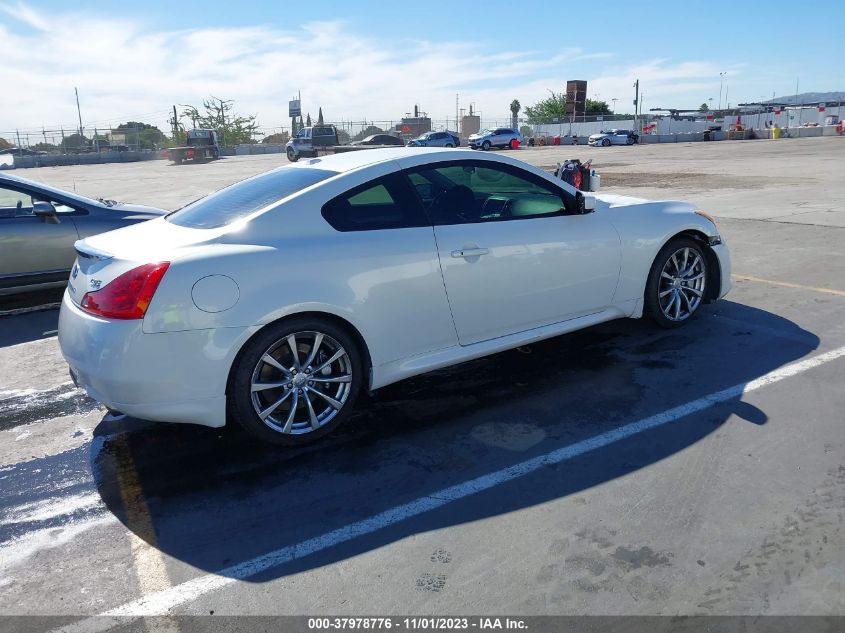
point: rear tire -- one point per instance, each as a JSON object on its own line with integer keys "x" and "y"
{"x": 677, "y": 283}
{"x": 306, "y": 401}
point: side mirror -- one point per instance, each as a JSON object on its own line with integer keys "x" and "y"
{"x": 45, "y": 211}
{"x": 584, "y": 204}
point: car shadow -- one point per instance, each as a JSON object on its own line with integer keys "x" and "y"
{"x": 216, "y": 498}
{"x": 28, "y": 326}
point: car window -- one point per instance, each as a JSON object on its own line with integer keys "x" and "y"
{"x": 385, "y": 203}
{"x": 474, "y": 191}
{"x": 246, "y": 197}
{"x": 14, "y": 204}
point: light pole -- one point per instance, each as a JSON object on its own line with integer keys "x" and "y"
{"x": 710, "y": 99}
{"x": 613, "y": 101}
{"x": 721, "y": 83}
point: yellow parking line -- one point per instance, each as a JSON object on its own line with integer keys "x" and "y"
{"x": 786, "y": 284}
{"x": 148, "y": 561}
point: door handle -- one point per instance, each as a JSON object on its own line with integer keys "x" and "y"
{"x": 470, "y": 252}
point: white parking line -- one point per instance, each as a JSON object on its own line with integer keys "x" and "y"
{"x": 162, "y": 602}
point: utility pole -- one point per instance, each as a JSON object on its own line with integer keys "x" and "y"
{"x": 175, "y": 125}
{"x": 78, "y": 111}
{"x": 721, "y": 82}
{"x": 456, "y": 113}
{"x": 20, "y": 149}
{"x": 636, "y": 103}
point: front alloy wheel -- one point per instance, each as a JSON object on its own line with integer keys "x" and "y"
{"x": 677, "y": 283}
{"x": 296, "y": 383}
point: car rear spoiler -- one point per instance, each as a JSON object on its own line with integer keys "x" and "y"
{"x": 89, "y": 252}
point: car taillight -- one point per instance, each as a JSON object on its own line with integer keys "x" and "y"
{"x": 127, "y": 296}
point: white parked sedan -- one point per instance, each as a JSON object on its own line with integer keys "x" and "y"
{"x": 274, "y": 301}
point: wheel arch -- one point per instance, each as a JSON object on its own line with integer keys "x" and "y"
{"x": 325, "y": 316}
{"x": 714, "y": 269}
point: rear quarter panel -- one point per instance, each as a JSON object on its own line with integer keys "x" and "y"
{"x": 386, "y": 283}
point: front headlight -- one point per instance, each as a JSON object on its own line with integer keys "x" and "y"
{"x": 712, "y": 240}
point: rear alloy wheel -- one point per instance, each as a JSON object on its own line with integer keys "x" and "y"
{"x": 296, "y": 381}
{"x": 677, "y": 283}
{"x": 485, "y": 145}
{"x": 605, "y": 142}
{"x": 292, "y": 157}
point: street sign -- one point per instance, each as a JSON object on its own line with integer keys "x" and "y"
{"x": 294, "y": 108}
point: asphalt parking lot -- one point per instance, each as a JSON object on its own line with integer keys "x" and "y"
{"x": 618, "y": 470}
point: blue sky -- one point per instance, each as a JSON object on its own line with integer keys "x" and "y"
{"x": 374, "y": 60}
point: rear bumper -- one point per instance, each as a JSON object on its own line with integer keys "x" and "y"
{"x": 166, "y": 377}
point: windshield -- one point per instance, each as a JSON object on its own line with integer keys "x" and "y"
{"x": 483, "y": 132}
{"x": 248, "y": 196}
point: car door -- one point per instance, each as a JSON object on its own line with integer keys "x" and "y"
{"x": 513, "y": 257}
{"x": 620, "y": 137}
{"x": 32, "y": 245}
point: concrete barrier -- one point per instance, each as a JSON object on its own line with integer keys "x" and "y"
{"x": 93, "y": 158}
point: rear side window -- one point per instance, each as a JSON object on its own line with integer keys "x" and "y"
{"x": 385, "y": 203}
{"x": 248, "y": 196}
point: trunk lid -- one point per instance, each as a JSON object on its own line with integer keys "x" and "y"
{"x": 103, "y": 257}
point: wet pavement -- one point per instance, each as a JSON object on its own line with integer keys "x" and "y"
{"x": 735, "y": 508}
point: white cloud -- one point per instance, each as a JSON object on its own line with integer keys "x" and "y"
{"x": 126, "y": 71}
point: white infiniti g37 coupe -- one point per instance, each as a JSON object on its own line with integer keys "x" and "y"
{"x": 272, "y": 302}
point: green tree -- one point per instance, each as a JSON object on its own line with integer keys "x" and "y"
{"x": 515, "y": 108}
{"x": 545, "y": 110}
{"x": 144, "y": 135}
{"x": 75, "y": 141}
{"x": 4, "y": 144}
{"x": 308, "y": 120}
{"x": 367, "y": 131}
{"x": 703, "y": 108}
{"x": 526, "y": 131}
{"x": 280, "y": 138}
{"x": 596, "y": 107}
{"x": 343, "y": 137}
{"x": 219, "y": 115}
{"x": 320, "y": 117}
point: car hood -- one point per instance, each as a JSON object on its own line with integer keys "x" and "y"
{"x": 475, "y": 136}
{"x": 599, "y": 135}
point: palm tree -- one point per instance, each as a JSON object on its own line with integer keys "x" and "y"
{"x": 515, "y": 108}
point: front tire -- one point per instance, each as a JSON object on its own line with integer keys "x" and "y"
{"x": 677, "y": 283}
{"x": 485, "y": 145}
{"x": 292, "y": 157}
{"x": 605, "y": 142}
{"x": 296, "y": 381}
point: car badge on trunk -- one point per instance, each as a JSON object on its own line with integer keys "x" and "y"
{"x": 74, "y": 272}
{"x": 95, "y": 284}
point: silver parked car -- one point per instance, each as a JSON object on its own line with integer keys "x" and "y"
{"x": 503, "y": 137}
{"x": 435, "y": 139}
{"x": 39, "y": 225}
{"x": 613, "y": 137}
